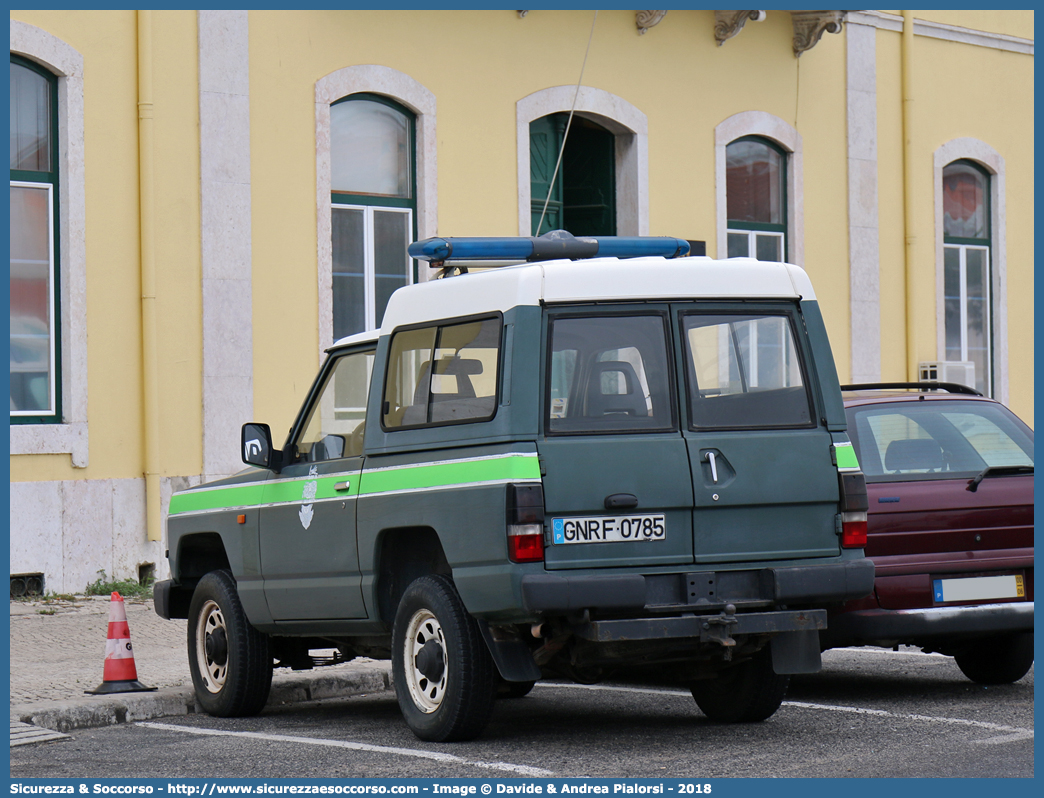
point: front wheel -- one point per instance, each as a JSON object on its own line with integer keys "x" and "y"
{"x": 445, "y": 679}
{"x": 230, "y": 661}
{"x": 997, "y": 660}
{"x": 745, "y": 693}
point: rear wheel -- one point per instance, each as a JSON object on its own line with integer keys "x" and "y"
{"x": 230, "y": 661}
{"x": 445, "y": 679}
{"x": 745, "y": 693}
{"x": 997, "y": 660}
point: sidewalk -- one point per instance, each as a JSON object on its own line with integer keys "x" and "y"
{"x": 56, "y": 657}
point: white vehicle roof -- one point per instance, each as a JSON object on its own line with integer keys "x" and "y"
{"x": 594, "y": 279}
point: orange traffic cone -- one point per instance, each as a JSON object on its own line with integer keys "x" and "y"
{"x": 120, "y": 675}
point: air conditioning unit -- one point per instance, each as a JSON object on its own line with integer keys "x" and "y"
{"x": 961, "y": 372}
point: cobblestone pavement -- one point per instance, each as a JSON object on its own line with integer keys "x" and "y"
{"x": 58, "y": 650}
{"x": 58, "y": 656}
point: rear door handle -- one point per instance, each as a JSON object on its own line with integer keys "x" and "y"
{"x": 714, "y": 466}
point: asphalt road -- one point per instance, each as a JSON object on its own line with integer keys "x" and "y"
{"x": 870, "y": 713}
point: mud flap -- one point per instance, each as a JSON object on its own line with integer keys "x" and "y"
{"x": 796, "y": 652}
{"x": 513, "y": 659}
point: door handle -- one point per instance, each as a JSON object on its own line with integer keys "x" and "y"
{"x": 714, "y": 466}
{"x": 342, "y": 485}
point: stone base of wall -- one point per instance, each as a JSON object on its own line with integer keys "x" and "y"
{"x": 71, "y": 530}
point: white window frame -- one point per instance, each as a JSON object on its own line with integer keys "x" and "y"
{"x": 752, "y": 239}
{"x": 962, "y": 250}
{"x": 52, "y": 344}
{"x": 69, "y": 436}
{"x": 369, "y": 256}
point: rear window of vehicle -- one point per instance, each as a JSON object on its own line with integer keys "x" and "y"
{"x": 744, "y": 371}
{"x": 609, "y": 374}
{"x": 937, "y": 439}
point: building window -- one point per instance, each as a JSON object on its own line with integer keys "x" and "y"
{"x": 374, "y": 206}
{"x": 967, "y": 276}
{"x": 756, "y": 199}
{"x": 35, "y": 333}
{"x": 583, "y": 197}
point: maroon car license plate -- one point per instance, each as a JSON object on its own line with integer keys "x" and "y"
{"x": 979, "y": 588}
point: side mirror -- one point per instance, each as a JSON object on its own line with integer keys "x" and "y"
{"x": 256, "y": 447}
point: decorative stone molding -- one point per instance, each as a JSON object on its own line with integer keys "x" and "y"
{"x": 630, "y": 128}
{"x": 809, "y": 27}
{"x": 761, "y": 123}
{"x": 70, "y": 437}
{"x": 225, "y": 236}
{"x": 647, "y": 19}
{"x": 404, "y": 89}
{"x": 728, "y": 23}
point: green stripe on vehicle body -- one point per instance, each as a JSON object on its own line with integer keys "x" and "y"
{"x": 450, "y": 473}
{"x": 217, "y": 498}
{"x": 421, "y": 476}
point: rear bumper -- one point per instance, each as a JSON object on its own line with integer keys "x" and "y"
{"x": 554, "y": 594}
{"x": 707, "y": 628}
{"x": 929, "y": 623}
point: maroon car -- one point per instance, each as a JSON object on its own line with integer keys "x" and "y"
{"x": 949, "y": 478}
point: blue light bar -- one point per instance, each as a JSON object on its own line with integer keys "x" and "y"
{"x": 550, "y": 246}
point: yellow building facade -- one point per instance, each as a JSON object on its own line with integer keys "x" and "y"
{"x": 193, "y": 229}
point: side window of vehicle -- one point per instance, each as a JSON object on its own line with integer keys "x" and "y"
{"x": 442, "y": 374}
{"x": 608, "y": 374}
{"x": 336, "y": 421}
{"x": 744, "y": 372}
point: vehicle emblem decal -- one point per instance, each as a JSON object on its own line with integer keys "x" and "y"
{"x": 308, "y": 495}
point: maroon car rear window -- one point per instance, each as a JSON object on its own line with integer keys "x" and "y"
{"x": 937, "y": 439}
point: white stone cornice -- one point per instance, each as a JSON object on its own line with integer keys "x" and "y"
{"x": 937, "y": 30}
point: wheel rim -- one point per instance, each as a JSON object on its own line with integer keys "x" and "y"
{"x": 212, "y": 647}
{"x": 425, "y": 661}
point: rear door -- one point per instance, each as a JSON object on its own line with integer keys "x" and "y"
{"x": 764, "y": 483}
{"x": 617, "y": 486}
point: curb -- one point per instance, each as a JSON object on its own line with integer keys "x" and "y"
{"x": 111, "y": 710}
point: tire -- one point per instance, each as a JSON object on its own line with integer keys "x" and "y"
{"x": 445, "y": 679}
{"x": 997, "y": 660}
{"x": 745, "y": 693}
{"x": 230, "y": 660}
{"x": 508, "y": 689}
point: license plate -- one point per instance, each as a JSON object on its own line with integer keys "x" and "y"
{"x": 979, "y": 588}
{"x": 608, "y": 529}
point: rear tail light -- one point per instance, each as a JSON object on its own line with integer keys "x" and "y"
{"x": 525, "y": 523}
{"x": 853, "y": 530}
{"x": 854, "y": 505}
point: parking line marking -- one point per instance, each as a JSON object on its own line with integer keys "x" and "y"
{"x": 522, "y": 770}
{"x": 1009, "y": 733}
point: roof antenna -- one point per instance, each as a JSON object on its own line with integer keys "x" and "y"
{"x": 569, "y": 121}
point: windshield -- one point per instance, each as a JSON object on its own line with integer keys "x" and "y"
{"x": 937, "y": 439}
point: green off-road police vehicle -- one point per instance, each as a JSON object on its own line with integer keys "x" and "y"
{"x": 611, "y": 459}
